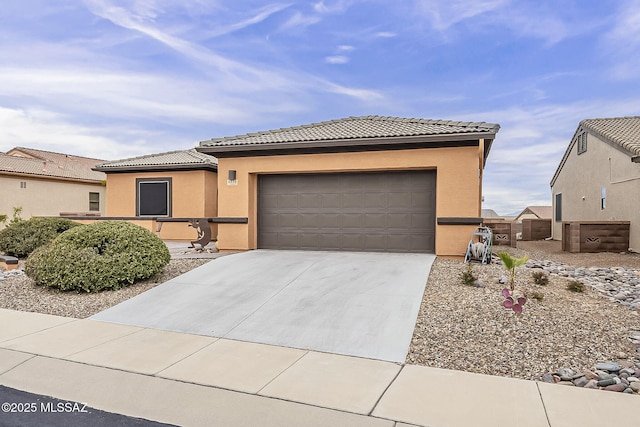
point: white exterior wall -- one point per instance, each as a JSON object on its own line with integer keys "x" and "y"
{"x": 46, "y": 197}
{"x": 581, "y": 180}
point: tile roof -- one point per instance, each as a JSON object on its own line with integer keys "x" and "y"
{"x": 621, "y": 131}
{"x": 542, "y": 212}
{"x": 29, "y": 161}
{"x": 364, "y": 127}
{"x": 624, "y": 131}
{"x": 186, "y": 159}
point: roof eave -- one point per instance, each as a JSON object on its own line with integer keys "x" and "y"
{"x": 50, "y": 177}
{"x": 343, "y": 143}
{"x": 156, "y": 168}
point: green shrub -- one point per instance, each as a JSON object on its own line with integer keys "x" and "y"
{"x": 98, "y": 256}
{"x": 539, "y": 296}
{"x": 575, "y": 286}
{"x": 467, "y": 277}
{"x": 22, "y": 237}
{"x": 540, "y": 278}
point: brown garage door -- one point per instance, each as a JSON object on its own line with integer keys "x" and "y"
{"x": 378, "y": 211}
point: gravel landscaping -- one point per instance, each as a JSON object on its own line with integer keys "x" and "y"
{"x": 467, "y": 328}
{"x": 459, "y": 327}
{"x": 18, "y": 292}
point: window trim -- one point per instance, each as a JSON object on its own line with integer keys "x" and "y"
{"x": 140, "y": 181}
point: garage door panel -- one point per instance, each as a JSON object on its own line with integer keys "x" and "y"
{"x": 352, "y": 220}
{"x": 288, "y": 240}
{"x": 400, "y": 199}
{"x": 375, "y": 221}
{"x": 308, "y": 221}
{"x": 269, "y": 201}
{"x": 329, "y": 241}
{"x": 381, "y": 211}
{"x": 332, "y": 200}
{"x": 330, "y": 221}
{"x": 352, "y": 242}
{"x": 375, "y": 200}
{"x": 288, "y": 220}
{"x": 287, "y": 201}
{"x": 375, "y": 242}
{"x": 308, "y": 240}
{"x": 353, "y": 200}
{"x": 399, "y": 220}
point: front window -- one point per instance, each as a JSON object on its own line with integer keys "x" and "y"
{"x": 153, "y": 197}
{"x": 94, "y": 202}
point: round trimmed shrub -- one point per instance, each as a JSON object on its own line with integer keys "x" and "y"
{"x": 23, "y": 237}
{"x": 98, "y": 256}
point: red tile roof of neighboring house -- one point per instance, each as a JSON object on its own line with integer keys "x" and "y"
{"x": 47, "y": 164}
{"x": 542, "y": 212}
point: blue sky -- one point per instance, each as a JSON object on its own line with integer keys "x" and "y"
{"x": 118, "y": 78}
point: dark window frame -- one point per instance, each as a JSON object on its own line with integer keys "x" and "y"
{"x": 558, "y": 207}
{"x": 582, "y": 143}
{"x": 94, "y": 205}
{"x": 141, "y": 210}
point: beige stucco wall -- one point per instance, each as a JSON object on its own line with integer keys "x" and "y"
{"x": 458, "y": 185}
{"x": 193, "y": 195}
{"x": 581, "y": 181}
{"x": 46, "y": 197}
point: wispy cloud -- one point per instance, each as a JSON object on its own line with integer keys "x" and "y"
{"x": 299, "y": 20}
{"x": 336, "y": 59}
{"x": 531, "y": 19}
{"x": 385, "y": 34}
{"x": 622, "y": 42}
{"x": 443, "y": 14}
{"x": 259, "y": 17}
{"x": 49, "y": 131}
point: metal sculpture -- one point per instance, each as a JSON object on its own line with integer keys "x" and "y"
{"x": 201, "y": 225}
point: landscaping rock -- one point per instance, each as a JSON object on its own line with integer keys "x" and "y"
{"x": 615, "y": 387}
{"x": 593, "y": 384}
{"x": 581, "y": 382}
{"x": 608, "y": 366}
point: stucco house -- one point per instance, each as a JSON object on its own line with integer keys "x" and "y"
{"x": 45, "y": 183}
{"x": 535, "y": 212}
{"x": 598, "y": 178}
{"x": 163, "y": 191}
{"x": 367, "y": 183}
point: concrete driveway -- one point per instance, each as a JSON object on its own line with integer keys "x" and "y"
{"x": 358, "y": 304}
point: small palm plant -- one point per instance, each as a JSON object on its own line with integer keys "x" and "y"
{"x": 510, "y": 264}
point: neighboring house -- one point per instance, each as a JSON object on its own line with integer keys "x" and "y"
{"x": 535, "y": 212}
{"x": 598, "y": 178}
{"x": 43, "y": 183}
{"x": 163, "y": 191}
{"x": 358, "y": 184}
{"x": 489, "y": 213}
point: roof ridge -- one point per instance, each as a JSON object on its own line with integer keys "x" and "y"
{"x": 54, "y": 152}
{"x": 145, "y": 156}
{"x": 391, "y": 119}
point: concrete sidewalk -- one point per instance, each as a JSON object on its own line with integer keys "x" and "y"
{"x": 187, "y": 379}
